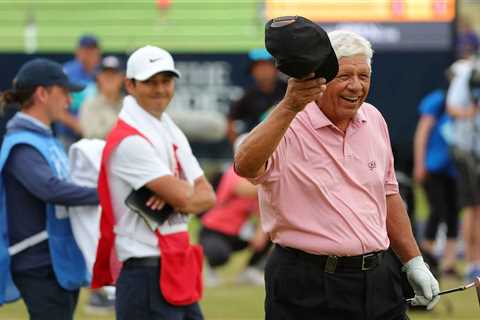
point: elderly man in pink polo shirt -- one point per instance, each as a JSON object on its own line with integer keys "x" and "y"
{"x": 329, "y": 200}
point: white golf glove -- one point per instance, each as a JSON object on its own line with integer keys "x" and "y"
{"x": 423, "y": 282}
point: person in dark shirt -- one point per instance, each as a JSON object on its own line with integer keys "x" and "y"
{"x": 267, "y": 90}
{"x": 43, "y": 259}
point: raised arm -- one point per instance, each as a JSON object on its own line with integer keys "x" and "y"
{"x": 252, "y": 155}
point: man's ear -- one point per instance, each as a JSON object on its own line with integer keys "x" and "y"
{"x": 129, "y": 85}
{"x": 40, "y": 95}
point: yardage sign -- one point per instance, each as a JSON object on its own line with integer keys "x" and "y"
{"x": 389, "y": 24}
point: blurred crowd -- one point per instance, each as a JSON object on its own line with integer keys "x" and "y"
{"x": 447, "y": 162}
{"x": 232, "y": 225}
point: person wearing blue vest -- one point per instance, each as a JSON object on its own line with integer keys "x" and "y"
{"x": 435, "y": 171}
{"x": 39, "y": 258}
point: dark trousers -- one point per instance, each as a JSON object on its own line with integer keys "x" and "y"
{"x": 441, "y": 194}
{"x": 43, "y": 296}
{"x": 138, "y": 297}
{"x": 468, "y": 178}
{"x": 218, "y": 248}
{"x": 297, "y": 288}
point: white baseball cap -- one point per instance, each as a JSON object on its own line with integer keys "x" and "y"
{"x": 148, "y": 61}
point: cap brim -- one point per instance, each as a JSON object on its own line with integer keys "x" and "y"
{"x": 153, "y": 71}
{"x": 73, "y": 87}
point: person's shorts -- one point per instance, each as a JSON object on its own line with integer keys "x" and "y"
{"x": 468, "y": 179}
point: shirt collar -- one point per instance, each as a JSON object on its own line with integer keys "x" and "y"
{"x": 34, "y": 120}
{"x": 320, "y": 120}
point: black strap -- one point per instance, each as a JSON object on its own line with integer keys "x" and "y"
{"x": 142, "y": 262}
{"x": 333, "y": 264}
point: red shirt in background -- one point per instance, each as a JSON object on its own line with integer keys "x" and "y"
{"x": 231, "y": 211}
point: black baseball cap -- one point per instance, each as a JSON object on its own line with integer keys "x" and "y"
{"x": 43, "y": 72}
{"x": 300, "y": 47}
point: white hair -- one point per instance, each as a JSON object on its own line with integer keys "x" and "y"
{"x": 347, "y": 43}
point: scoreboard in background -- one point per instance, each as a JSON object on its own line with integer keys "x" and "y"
{"x": 388, "y": 24}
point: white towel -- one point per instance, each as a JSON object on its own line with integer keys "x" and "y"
{"x": 85, "y": 156}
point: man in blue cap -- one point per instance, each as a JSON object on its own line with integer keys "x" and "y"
{"x": 268, "y": 89}
{"x": 39, "y": 258}
{"x": 81, "y": 70}
{"x": 87, "y": 58}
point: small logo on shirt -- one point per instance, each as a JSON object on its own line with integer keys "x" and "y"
{"x": 372, "y": 165}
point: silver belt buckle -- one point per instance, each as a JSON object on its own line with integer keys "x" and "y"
{"x": 364, "y": 268}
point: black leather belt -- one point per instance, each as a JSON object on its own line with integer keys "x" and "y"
{"x": 333, "y": 264}
{"x": 142, "y": 262}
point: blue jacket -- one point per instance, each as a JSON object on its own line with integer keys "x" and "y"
{"x": 437, "y": 157}
{"x": 34, "y": 179}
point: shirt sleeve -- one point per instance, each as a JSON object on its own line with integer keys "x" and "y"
{"x": 136, "y": 162}
{"x": 432, "y": 104}
{"x": 31, "y": 169}
{"x": 90, "y": 120}
{"x": 458, "y": 95}
{"x": 188, "y": 162}
{"x": 276, "y": 161}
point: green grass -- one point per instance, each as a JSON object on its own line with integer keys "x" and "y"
{"x": 123, "y": 25}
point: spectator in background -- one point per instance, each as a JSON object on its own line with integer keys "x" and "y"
{"x": 465, "y": 140}
{"x": 87, "y": 58}
{"x": 267, "y": 90}
{"x": 98, "y": 113}
{"x": 434, "y": 170}
{"x": 37, "y": 248}
{"x": 82, "y": 70}
{"x": 228, "y": 227}
{"x": 467, "y": 41}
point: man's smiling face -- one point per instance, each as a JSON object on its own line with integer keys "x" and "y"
{"x": 346, "y": 93}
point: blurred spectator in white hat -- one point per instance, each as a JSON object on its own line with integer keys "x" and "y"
{"x": 99, "y": 113}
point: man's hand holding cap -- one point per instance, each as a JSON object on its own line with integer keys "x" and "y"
{"x": 300, "y": 47}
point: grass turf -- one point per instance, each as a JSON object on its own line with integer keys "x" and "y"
{"x": 123, "y": 25}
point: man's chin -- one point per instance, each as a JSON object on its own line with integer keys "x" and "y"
{"x": 348, "y": 113}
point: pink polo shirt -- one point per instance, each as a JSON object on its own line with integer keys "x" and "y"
{"x": 325, "y": 192}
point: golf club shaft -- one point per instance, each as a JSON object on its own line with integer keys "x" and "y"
{"x": 452, "y": 290}
{"x": 444, "y": 292}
